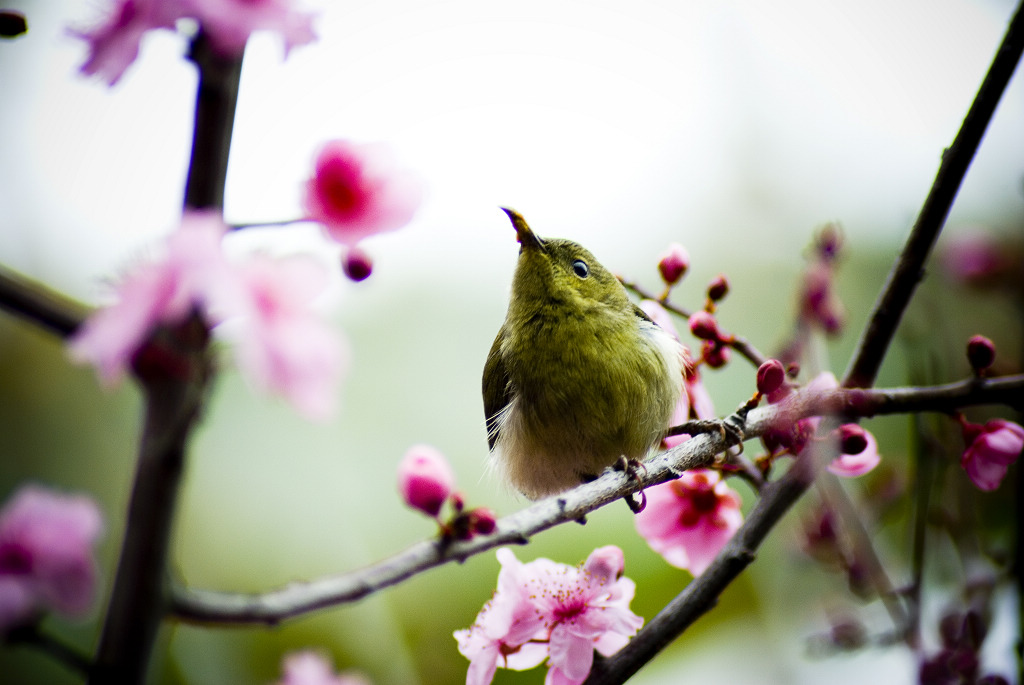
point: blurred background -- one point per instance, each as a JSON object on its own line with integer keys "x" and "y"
{"x": 736, "y": 128}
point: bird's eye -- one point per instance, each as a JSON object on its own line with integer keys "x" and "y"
{"x": 580, "y": 268}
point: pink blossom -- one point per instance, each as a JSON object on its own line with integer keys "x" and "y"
{"x": 991, "y": 450}
{"x": 689, "y": 520}
{"x": 586, "y": 609}
{"x": 281, "y": 344}
{"x": 310, "y": 668}
{"x": 229, "y": 23}
{"x": 190, "y": 274}
{"x": 544, "y": 609}
{"x": 358, "y": 190}
{"x": 799, "y": 436}
{"x": 853, "y": 465}
{"x": 425, "y": 479}
{"x": 114, "y": 44}
{"x": 46, "y": 559}
{"x": 505, "y": 629}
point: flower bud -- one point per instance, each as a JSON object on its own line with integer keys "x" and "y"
{"x": 483, "y": 521}
{"x": 981, "y": 352}
{"x": 852, "y": 439}
{"x": 715, "y": 354}
{"x": 703, "y": 325}
{"x": 770, "y": 376}
{"x": 357, "y": 265}
{"x": 425, "y": 479}
{"x": 991, "y": 449}
{"x": 673, "y": 263}
{"x": 718, "y": 288}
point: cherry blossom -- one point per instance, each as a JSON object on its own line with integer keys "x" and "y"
{"x": 114, "y": 43}
{"x": 281, "y": 344}
{"x": 545, "y": 609}
{"x": 190, "y": 274}
{"x": 229, "y": 23}
{"x": 311, "y": 668}
{"x": 991, "y": 449}
{"x": 358, "y": 190}
{"x": 46, "y": 556}
{"x": 689, "y": 520}
{"x": 425, "y": 479}
{"x": 854, "y": 465}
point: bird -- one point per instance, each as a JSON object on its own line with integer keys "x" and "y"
{"x": 578, "y": 378}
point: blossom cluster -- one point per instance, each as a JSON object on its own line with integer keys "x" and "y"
{"x": 546, "y": 610}
{"x": 281, "y": 344}
{"x": 114, "y": 43}
{"x": 46, "y": 555}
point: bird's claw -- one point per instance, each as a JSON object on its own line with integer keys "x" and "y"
{"x": 632, "y": 468}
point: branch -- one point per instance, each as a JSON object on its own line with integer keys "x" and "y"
{"x": 61, "y": 652}
{"x": 908, "y": 269}
{"x": 205, "y": 606}
{"x": 29, "y": 299}
{"x": 173, "y": 403}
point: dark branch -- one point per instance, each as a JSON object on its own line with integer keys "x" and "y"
{"x": 908, "y": 269}
{"x": 173, "y": 404}
{"x": 33, "y": 301}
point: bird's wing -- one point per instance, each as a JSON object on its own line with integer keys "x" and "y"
{"x": 641, "y": 313}
{"x": 497, "y": 393}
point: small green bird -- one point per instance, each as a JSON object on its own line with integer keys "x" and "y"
{"x": 579, "y": 376}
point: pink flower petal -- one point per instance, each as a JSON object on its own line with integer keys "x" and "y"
{"x": 853, "y": 465}
{"x": 358, "y": 190}
{"x": 689, "y": 520}
{"x": 46, "y": 557}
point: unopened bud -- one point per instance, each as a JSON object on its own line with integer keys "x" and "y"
{"x": 981, "y": 352}
{"x": 425, "y": 479}
{"x": 704, "y": 326}
{"x": 770, "y": 376}
{"x": 718, "y": 288}
{"x": 673, "y": 263}
{"x": 483, "y": 520}
{"x": 715, "y": 354}
{"x": 852, "y": 439}
{"x": 357, "y": 265}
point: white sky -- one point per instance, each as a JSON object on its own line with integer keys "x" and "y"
{"x": 733, "y": 125}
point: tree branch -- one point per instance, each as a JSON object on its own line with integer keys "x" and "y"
{"x": 31, "y": 300}
{"x": 908, "y": 269}
{"x": 173, "y": 403}
{"x": 204, "y": 606}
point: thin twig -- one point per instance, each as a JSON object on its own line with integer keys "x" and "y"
{"x": 908, "y": 270}
{"x": 836, "y": 499}
{"x": 59, "y": 651}
{"x": 30, "y": 299}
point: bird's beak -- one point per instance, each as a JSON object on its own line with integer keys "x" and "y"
{"x": 527, "y": 238}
